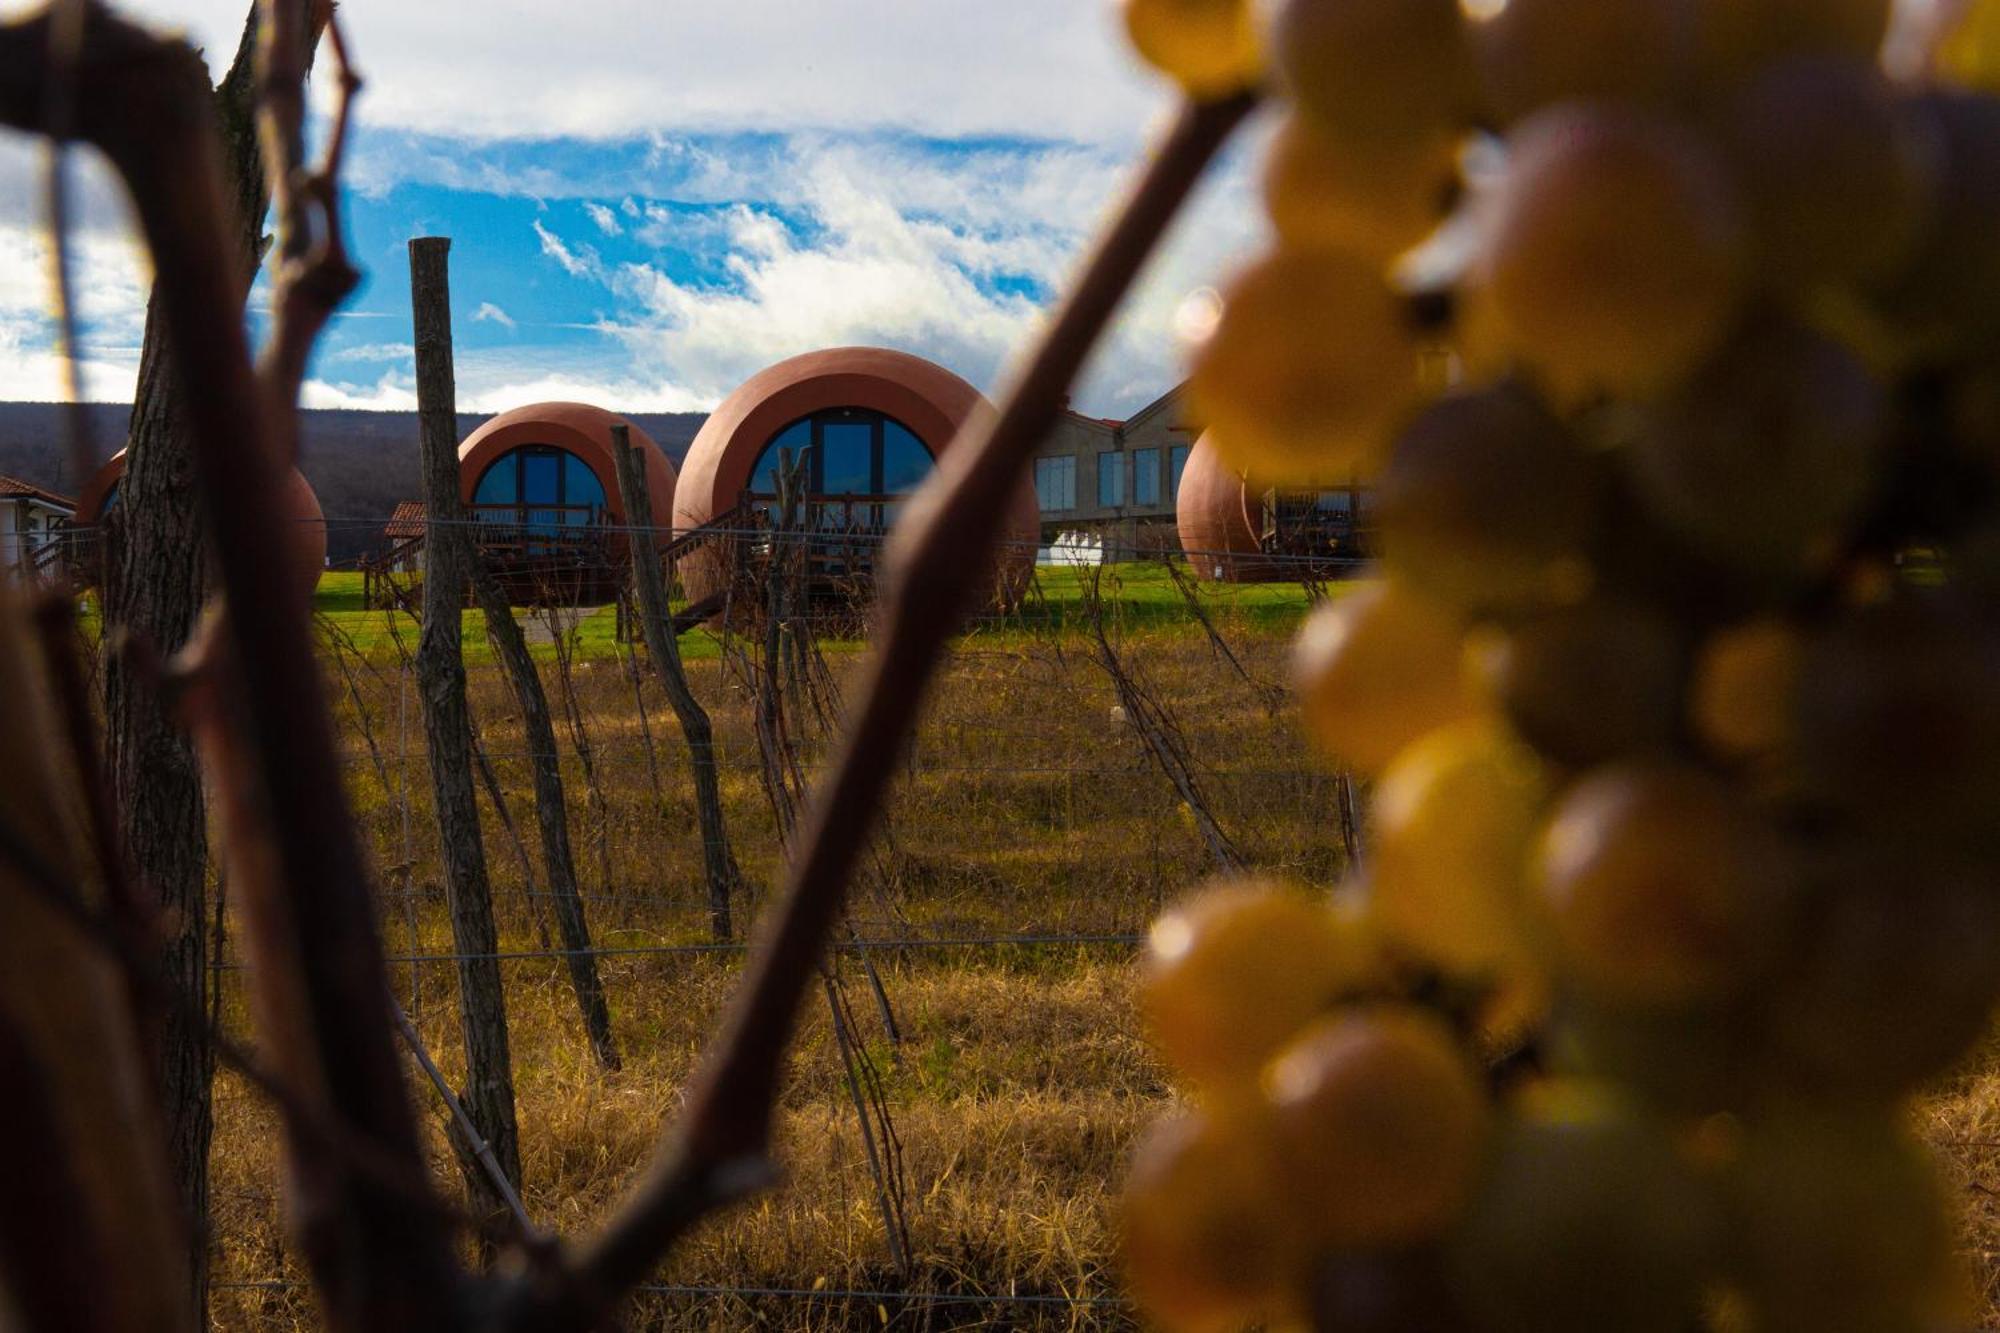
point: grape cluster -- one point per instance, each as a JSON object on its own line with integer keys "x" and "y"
{"x": 1667, "y": 333}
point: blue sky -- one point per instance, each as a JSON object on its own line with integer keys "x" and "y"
{"x": 701, "y": 193}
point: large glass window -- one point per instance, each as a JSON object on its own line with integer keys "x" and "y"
{"x": 1177, "y": 458}
{"x": 905, "y": 461}
{"x": 848, "y": 451}
{"x": 789, "y": 444}
{"x": 1145, "y": 476}
{"x": 1110, "y": 480}
{"x": 847, "y": 458}
{"x": 1055, "y": 484}
{"x": 539, "y": 486}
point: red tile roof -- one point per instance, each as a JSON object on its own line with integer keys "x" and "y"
{"x": 12, "y": 488}
{"x": 409, "y": 520}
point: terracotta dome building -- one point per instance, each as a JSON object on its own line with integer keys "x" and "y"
{"x": 1234, "y": 530}
{"x": 305, "y": 521}
{"x": 542, "y": 481}
{"x": 865, "y": 425}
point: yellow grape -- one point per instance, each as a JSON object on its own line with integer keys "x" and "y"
{"x": 1841, "y": 1226}
{"x": 1453, "y": 820}
{"x": 1323, "y": 192}
{"x": 1684, "y": 1061}
{"x": 1379, "y": 1122}
{"x": 1897, "y": 721}
{"x": 1590, "y": 683}
{"x": 1210, "y": 47}
{"x": 1894, "y": 977}
{"x": 1488, "y": 503}
{"x": 1659, "y": 886}
{"x": 1968, "y": 53}
{"x": 1536, "y": 52}
{"x": 1587, "y": 1221}
{"x": 1745, "y": 679}
{"x": 1376, "y": 72}
{"x": 1230, "y": 975}
{"x": 1383, "y": 1291}
{"x": 1837, "y": 179}
{"x": 1309, "y": 370}
{"x": 1377, "y": 669}
{"x": 1206, "y": 1243}
{"x": 1759, "y": 461}
{"x": 1738, "y": 37}
{"x": 1613, "y": 252}
{"x": 1948, "y": 294}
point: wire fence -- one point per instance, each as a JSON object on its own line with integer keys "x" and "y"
{"x": 1107, "y": 542}
{"x": 1038, "y": 830}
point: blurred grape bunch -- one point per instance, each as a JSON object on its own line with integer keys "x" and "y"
{"x": 1679, "y": 681}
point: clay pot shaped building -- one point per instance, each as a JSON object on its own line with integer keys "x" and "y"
{"x": 305, "y": 523}
{"x": 862, "y": 427}
{"x": 542, "y": 483}
{"x": 1235, "y": 530}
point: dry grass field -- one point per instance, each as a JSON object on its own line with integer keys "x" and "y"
{"x": 1031, "y": 837}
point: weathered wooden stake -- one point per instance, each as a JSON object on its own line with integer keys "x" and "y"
{"x": 666, "y": 653}
{"x": 551, "y": 811}
{"x": 489, "y": 1091}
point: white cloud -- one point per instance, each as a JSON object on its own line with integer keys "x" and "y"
{"x": 394, "y": 392}
{"x": 366, "y": 352}
{"x": 579, "y": 262}
{"x": 604, "y": 68}
{"x": 839, "y": 113}
{"x": 941, "y": 255}
{"x": 490, "y": 313}
{"x": 109, "y": 279}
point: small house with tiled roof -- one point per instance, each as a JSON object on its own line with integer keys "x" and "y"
{"x": 32, "y": 524}
{"x": 404, "y": 537}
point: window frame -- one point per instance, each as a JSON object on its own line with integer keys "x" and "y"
{"x": 1115, "y": 474}
{"x": 1146, "y": 468}
{"x": 815, "y": 451}
{"x": 1063, "y": 482}
{"x": 542, "y": 517}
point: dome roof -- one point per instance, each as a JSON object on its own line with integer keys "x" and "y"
{"x": 300, "y": 505}
{"x": 581, "y": 429}
{"x": 1212, "y": 512}
{"x": 930, "y": 400}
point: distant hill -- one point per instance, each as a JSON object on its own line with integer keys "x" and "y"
{"x": 360, "y": 463}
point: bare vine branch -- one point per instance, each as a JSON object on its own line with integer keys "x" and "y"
{"x": 313, "y": 274}
{"x": 320, "y": 980}
{"x": 718, "y": 1153}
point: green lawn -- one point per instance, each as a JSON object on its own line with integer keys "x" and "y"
{"x": 1139, "y": 595}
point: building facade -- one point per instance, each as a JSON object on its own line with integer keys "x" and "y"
{"x": 1115, "y": 480}
{"x": 32, "y": 525}
{"x": 861, "y": 427}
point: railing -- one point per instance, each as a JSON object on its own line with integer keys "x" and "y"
{"x": 840, "y": 535}
{"x": 379, "y": 588}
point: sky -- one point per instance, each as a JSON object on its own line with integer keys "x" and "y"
{"x": 648, "y": 202}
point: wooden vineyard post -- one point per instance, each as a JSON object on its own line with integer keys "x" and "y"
{"x": 489, "y": 1092}
{"x": 719, "y": 861}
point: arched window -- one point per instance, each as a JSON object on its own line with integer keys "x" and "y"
{"x": 847, "y": 451}
{"x": 539, "y": 486}
{"x": 853, "y": 459}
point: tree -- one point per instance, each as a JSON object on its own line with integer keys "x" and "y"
{"x": 155, "y": 574}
